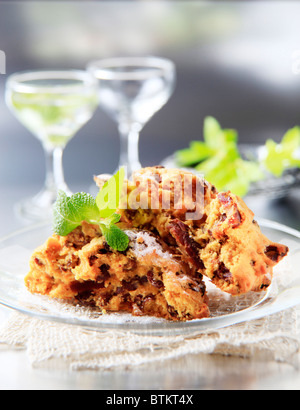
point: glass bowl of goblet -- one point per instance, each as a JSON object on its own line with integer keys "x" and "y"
{"x": 54, "y": 106}
{"x": 131, "y": 90}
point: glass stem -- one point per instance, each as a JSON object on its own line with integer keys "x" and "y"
{"x": 54, "y": 170}
{"x": 129, "y": 154}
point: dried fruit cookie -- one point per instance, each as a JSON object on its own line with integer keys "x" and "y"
{"x": 216, "y": 233}
{"x": 146, "y": 279}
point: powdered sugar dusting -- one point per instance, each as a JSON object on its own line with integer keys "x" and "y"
{"x": 143, "y": 243}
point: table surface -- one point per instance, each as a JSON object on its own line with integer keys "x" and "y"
{"x": 189, "y": 372}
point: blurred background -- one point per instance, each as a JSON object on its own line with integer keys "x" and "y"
{"x": 237, "y": 61}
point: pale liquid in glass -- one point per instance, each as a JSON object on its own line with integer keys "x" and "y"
{"x": 54, "y": 118}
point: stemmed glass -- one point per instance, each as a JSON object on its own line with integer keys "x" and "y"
{"x": 53, "y": 105}
{"x": 131, "y": 90}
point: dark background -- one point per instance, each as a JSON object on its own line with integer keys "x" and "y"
{"x": 235, "y": 61}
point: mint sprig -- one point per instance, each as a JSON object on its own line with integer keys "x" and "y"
{"x": 70, "y": 212}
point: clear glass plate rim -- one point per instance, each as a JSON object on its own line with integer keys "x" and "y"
{"x": 256, "y": 311}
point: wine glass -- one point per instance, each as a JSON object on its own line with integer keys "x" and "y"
{"x": 131, "y": 90}
{"x": 53, "y": 105}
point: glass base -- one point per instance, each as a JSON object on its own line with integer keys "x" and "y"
{"x": 38, "y": 208}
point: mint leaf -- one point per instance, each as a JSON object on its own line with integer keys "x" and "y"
{"x": 69, "y": 212}
{"x": 109, "y": 196}
{"x": 113, "y": 219}
{"x": 115, "y": 237}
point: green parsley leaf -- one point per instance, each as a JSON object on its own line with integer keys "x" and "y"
{"x": 214, "y": 136}
{"x": 282, "y": 156}
{"x": 198, "y": 151}
{"x": 219, "y": 159}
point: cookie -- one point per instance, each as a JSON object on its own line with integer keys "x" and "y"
{"x": 215, "y": 232}
{"x": 146, "y": 279}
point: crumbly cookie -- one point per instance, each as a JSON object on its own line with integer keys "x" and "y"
{"x": 146, "y": 279}
{"x": 220, "y": 239}
{"x": 180, "y": 228}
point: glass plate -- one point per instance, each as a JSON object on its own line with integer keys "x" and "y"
{"x": 284, "y": 292}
